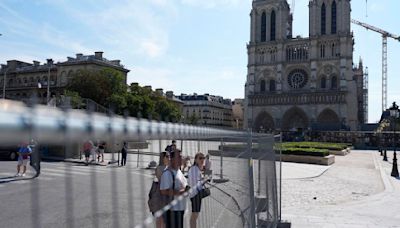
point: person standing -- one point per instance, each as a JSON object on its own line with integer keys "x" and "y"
{"x": 102, "y": 148}
{"x": 162, "y": 166}
{"x": 174, "y": 184}
{"x": 196, "y": 184}
{"x": 87, "y": 148}
{"x": 24, "y": 152}
{"x": 171, "y": 147}
{"x": 124, "y": 153}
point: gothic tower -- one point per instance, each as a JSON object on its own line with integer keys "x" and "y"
{"x": 300, "y": 83}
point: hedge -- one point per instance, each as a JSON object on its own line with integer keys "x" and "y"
{"x": 316, "y": 145}
{"x": 305, "y": 152}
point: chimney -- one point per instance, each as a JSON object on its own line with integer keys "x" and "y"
{"x": 169, "y": 94}
{"x": 134, "y": 84}
{"x": 36, "y": 63}
{"x": 116, "y": 62}
{"x": 148, "y": 87}
{"x": 160, "y": 92}
{"x": 98, "y": 55}
{"x": 49, "y": 62}
{"x": 79, "y": 56}
{"x": 70, "y": 59}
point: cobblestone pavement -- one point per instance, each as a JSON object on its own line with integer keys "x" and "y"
{"x": 357, "y": 191}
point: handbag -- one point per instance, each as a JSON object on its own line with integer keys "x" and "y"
{"x": 205, "y": 192}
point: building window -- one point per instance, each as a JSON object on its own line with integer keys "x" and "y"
{"x": 262, "y": 86}
{"x": 323, "y": 19}
{"x": 323, "y": 83}
{"x": 263, "y": 27}
{"x": 322, "y": 50}
{"x": 333, "y": 21}
{"x": 273, "y": 25}
{"x": 272, "y": 86}
{"x": 334, "y": 82}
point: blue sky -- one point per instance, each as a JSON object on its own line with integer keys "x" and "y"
{"x": 181, "y": 45}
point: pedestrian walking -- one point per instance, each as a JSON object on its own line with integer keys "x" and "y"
{"x": 101, "y": 149}
{"x": 171, "y": 147}
{"x": 196, "y": 184}
{"x": 174, "y": 184}
{"x": 24, "y": 153}
{"x": 124, "y": 153}
{"x": 87, "y": 148}
{"x": 155, "y": 198}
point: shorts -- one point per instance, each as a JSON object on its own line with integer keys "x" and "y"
{"x": 101, "y": 151}
{"x": 23, "y": 162}
{"x": 87, "y": 153}
{"x": 196, "y": 203}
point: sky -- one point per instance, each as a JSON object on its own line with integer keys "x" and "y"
{"x": 188, "y": 46}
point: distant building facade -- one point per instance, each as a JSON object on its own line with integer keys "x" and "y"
{"x": 27, "y": 80}
{"x": 238, "y": 113}
{"x": 207, "y": 110}
{"x": 302, "y": 83}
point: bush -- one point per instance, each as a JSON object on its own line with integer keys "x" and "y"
{"x": 305, "y": 152}
{"x": 316, "y": 145}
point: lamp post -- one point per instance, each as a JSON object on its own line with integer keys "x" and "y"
{"x": 394, "y": 114}
{"x": 49, "y": 63}
{"x": 4, "y": 83}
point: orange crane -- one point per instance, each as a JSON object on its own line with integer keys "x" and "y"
{"x": 385, "y": 35}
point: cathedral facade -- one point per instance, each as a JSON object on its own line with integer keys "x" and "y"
{"x": 302, "y": 83}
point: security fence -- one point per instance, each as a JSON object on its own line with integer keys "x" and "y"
{"x": 244, "y": 179}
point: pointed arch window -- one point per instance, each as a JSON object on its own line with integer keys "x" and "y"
{"x": 262, "y": 86}
{"x": 263, "y": 27}
{"x": 333, "y": 19}
{"x": 323, "y": 19}
{"x": 323, "y": 82}
{"x": 272, "y": 85}
{"x": 334, "y": 82}
{"x": 273, "y": 25}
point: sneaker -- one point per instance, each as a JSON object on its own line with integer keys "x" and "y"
{"x": 16, "y": 175}
{"x": 22, "y": 175}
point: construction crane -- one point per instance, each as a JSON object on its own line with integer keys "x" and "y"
{"x": 385, "y": 35}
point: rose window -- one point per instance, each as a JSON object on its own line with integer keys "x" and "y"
{"x": 297, "y": 79}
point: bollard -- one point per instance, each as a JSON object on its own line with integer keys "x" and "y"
{"x": 395, "y": 171}
{"x": 385, "y": 155}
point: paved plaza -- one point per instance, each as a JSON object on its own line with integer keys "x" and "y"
{"x": 357, "y": 191}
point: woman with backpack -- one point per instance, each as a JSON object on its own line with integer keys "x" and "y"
{"x": 196, "y": 184}
{"x": 155, "y": 201}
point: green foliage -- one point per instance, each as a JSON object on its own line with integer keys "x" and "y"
{"x": 76, "y": 100}
{"x": 306, "y": 152}
{"x": 192, "y": 119}
{"x": 107, "y": 88}
{"x": 315, "y": 145}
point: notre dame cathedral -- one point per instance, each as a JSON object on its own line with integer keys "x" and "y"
{"x": 303, "y": 83}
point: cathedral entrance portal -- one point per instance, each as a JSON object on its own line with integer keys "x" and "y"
{"x": 294, "y": 119}
{"x": 264, "y": 123}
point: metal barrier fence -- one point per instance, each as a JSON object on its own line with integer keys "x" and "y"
{"x": 245, "y": 177}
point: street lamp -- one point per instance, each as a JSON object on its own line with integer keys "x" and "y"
{"x": 49, "y": 63}
{"x": 394, "y": 114}
{"x": 4, "y": 83}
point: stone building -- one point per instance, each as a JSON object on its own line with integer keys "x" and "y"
{"x": 238, "y": 113}
{"x": 301, "y": 83}
{"x": 207, "y": 110}
{"x": 27, "y": 80}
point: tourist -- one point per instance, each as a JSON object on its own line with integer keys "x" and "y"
{"x": 196, "y": 184}
{"x": 24, "y": 152}
{"x": 124, "y": 153}
{"x": 87, "y": 148}
{"x": 174, "y": 184}
{"x": 101, "y": 149}
{"x": 162, "y": 166}
{"x": 171, "y": 147}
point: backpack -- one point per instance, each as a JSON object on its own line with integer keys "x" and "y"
{"x": 156, "y": 200}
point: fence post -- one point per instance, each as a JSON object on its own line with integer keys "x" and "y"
{"x": 252, "y": 216}
{"x": 221, "y": 165}
{"x": 138, "y": 157}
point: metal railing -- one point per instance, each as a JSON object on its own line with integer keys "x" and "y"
{"x": 238, "y": 199}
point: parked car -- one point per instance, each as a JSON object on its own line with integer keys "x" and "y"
{"x": 9, "y": 152}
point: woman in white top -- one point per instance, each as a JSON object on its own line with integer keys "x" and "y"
{"x": 164, "y": 162}
{"x": 196, "y": 184}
